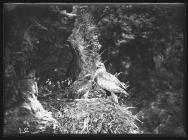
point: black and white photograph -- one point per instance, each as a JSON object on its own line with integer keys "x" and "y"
{"x": 94, "y": 68}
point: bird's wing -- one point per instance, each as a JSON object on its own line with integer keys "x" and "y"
{"x": 109, "y": 85}
{"x": 111, "y": 77}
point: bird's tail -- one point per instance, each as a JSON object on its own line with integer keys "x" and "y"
{"x": 122, "y": 90}
{"x": 124, "y": 86}
{"x": 125, "y": 93}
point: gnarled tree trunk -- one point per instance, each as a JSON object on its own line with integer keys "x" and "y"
{"x": 29, "y": 116}
{"x": 85, "y": 44}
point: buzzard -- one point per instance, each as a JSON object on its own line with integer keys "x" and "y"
{"x": 108, "y": 81}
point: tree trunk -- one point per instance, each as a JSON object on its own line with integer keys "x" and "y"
{"x": 85, "y": 44}
{"x": 29, "y": 116}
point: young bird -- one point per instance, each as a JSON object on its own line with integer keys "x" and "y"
{"x": 108, "y": 81}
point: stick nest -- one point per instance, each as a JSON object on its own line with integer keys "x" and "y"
{"x": 94, "y": 116}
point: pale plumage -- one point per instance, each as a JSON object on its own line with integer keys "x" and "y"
{"x": 108, "y": 81}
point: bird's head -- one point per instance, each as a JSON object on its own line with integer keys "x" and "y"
{"x": 100, "y": 66}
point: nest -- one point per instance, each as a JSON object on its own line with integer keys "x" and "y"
{"x": 95, "y": 116}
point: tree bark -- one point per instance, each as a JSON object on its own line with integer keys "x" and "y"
{"x": 85, "y": 44}
{"x": 29, "y": 116}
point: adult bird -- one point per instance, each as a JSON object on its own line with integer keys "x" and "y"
{"x": 108, "y": 81}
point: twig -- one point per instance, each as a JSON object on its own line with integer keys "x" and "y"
{"x": 64, "y": 12}
{"x": 39, "y": 25}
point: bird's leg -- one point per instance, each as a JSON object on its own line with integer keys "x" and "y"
{"x": 115, "y": 98}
